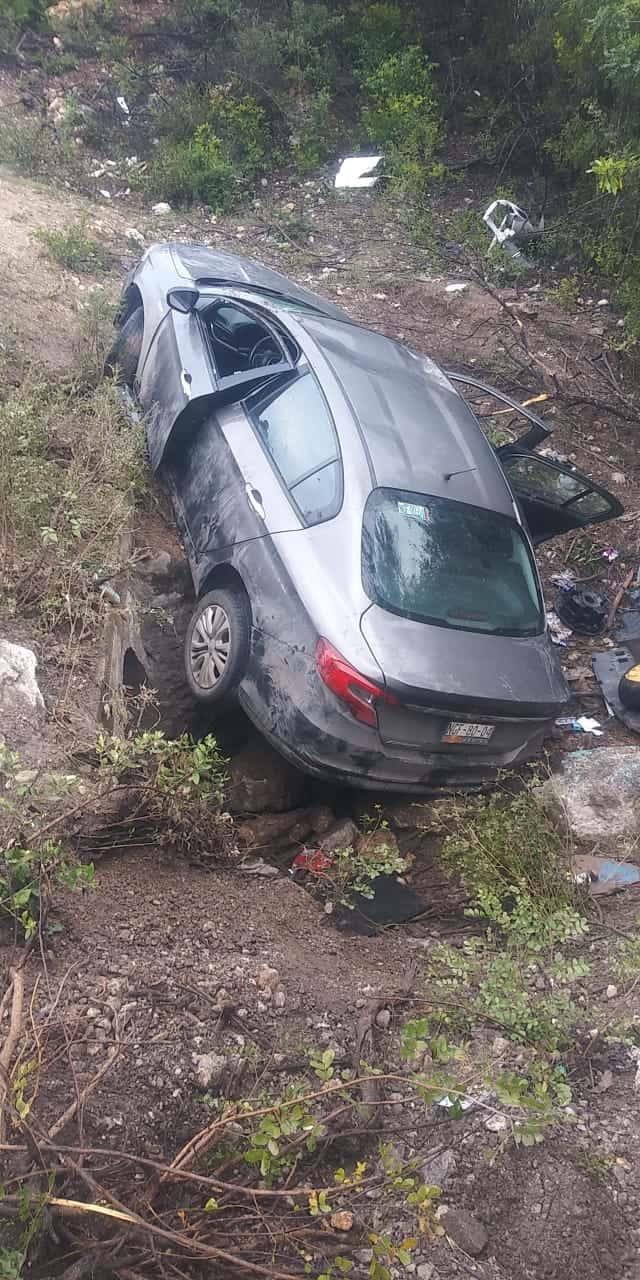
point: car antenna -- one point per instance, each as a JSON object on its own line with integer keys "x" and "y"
{"x": 450, "y": 475}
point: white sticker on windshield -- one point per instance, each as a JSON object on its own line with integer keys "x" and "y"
{"x": 414, "y": 509}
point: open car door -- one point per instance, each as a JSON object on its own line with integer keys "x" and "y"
{"x": 553, "y": 498}
{"x": 188, "y": 371}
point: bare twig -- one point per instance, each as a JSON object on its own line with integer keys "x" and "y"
{"x": 13, "y": 1035}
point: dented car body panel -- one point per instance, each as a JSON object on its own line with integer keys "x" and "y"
{"x": 347, "y": 485}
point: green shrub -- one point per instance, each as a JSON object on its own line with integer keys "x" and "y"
{"x": 196, "y": 170}
{"x": 316, "y": 134}
{"x": 379, "y": 31}
{"x": 215, "y": 143}
{"x": 74, "y": 248}
{"x": 402, "y": 115}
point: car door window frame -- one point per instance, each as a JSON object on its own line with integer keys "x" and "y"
{"x": 538, "y": 431}
{"x": 255, "y": 404}
{"x": 245, "y": 377}
{"x": 614, "y": 508}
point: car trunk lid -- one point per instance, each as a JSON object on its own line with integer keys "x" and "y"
{"x": 461, "y": 691}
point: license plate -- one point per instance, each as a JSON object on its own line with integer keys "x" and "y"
{"x": 462, "y": 731}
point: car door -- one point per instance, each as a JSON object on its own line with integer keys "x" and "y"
{"x": 553, "y": 498}
{"x": 181, "y": 370}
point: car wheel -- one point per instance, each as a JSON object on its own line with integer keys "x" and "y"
{"x": 122, "y": 360}
{"x": 217, "y": 645}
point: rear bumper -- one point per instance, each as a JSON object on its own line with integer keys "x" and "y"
{"x": 310, "y": 728}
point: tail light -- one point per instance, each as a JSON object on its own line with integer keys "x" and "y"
{"x": 360, "y": 694}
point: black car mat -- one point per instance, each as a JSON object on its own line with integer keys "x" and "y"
{"x": 392, "y": 903}
{"x": 608, "y": 668}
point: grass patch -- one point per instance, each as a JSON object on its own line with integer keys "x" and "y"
{"x": 74, "y": 248}
{"x": 37, "y": 151}
{"x": 71, "y": 466}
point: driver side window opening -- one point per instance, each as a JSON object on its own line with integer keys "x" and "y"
{"x": 239, "y": 340}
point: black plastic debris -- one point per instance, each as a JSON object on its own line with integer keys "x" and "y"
{"x": 393, "y": 902}
{"x": 584, "y": 611}
{"x": 609, "y": 669}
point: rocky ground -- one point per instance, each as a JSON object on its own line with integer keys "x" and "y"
{"x": 183, "y": 981}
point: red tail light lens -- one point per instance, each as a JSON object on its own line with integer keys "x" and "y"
{"x": 360, "y": 694}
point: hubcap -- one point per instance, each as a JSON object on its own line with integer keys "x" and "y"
{"x": 210, "y": 645}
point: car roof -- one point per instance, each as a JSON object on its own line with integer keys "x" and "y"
{"x": 202, "y": 265}
{"x": 416, "y": 427}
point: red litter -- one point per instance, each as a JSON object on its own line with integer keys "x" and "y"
{"x": 313, "y": 860}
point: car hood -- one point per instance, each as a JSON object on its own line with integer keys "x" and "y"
{"x": 438, "y": 666}
{"x": 193, "y": 262}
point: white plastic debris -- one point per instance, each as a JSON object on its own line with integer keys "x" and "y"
{"x": 581, "y": 724}
{"x": 565, "y": 580}
{"x": 359, "y": 171}
{"x": 456, "y": 288}
{"x": 103, "y": 192}
{"x": 557, "y": 630}
{"x": 510, "y": 224}
{"x": 122, "y": 103}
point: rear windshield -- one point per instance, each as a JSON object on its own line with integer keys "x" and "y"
{"x": 444, "y": 562}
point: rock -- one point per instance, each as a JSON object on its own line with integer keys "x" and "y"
{"x": 465, "y": 1231}
{"x": 321, "y": 818}
{"x": 278, "y": 999}
{"x": 426, "y": 1271}
{"x": 273, "y": 829}
{"x": 161, "y": 207}
{"x": 342, "y": 835}
{"x": 611, "y": 992}
{"x": 375, "y": 844}
{"x": 210, "y": 1068}
{"x": 21, "y": 702}
{"x": 260, "y": 781}
{"x": 409, "y": 817}
{"x": 597, "y": 795}
{"x": 267, "y": 979}
{"x": 383, "y": 1019}
{"x": 342, "y": 1220}
{"x": 438, "y": 1168}
{"x": 135, "y": 236}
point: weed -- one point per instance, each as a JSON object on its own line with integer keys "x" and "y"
{"x": 356, "y": 872}
{"x": 566, "y": 292}
{"x": 74, "y": 248}
{"x": 180, "y": 788}
{"x": 626, "y": 959}
{"x": 196, "y": 170}
{"x": 516, "y": 865}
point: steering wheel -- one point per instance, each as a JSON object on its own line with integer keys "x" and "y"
{"x": 264, "y": 352}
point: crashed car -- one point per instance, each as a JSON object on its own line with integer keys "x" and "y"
{"x": 361, "y": 553}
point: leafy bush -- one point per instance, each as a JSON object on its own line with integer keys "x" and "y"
{"x": 230, "y": 143}
{"x": 316, "y": 133}
{"x": 402, "y": 115}
{"x": 196, "y": 170}
{"x": 379, "y": 31}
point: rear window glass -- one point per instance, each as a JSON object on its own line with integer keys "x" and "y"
{"x": 444, "y": 562}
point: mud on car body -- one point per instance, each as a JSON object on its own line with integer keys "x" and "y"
{"x": 361, "y": 549}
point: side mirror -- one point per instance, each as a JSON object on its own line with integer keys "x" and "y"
{"x": 183, "y": 300}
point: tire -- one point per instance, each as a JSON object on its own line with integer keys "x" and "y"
{"x": 122, "y": 360}
{"x": 223, "y": 615}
